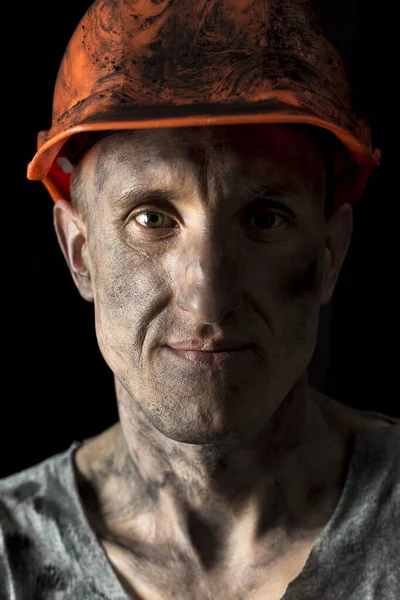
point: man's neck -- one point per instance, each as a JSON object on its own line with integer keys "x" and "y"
{"x": 284, "y": 481}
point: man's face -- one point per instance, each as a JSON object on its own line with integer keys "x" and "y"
{"x": 201, "y": 233}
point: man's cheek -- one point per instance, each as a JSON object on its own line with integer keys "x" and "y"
{"x": 285, "y": 278}
{"x": 111, "y": 338}
{"x": 126, "y": 278}
{"x": 304, "y": 280}
{"x": 287, "y": 290}
{"x": 129, "y": 291}
{"x": 296, "y": 276}
{"x": 299, "y": 292}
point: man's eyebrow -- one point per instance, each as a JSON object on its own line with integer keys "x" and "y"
{"x": 274, "y": 191}
{"x": 136, "y": 196}
{"x": 271, "y": 193}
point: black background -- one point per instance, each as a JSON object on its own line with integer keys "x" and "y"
{"x": 56, "y": 386}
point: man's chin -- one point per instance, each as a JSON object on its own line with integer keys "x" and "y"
{"x": 198, "y": 433}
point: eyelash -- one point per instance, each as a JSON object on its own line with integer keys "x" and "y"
{"x": 265, "y": 211}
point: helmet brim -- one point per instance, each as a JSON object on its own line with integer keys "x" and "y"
{"x": 51, "y": 143}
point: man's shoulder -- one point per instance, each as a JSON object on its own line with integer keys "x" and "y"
{"x": 36, "y": 505}
{"x": 380, "y": 456}
{"x": 24, "y": 486}
{"x": 30, "y": 497}
{"x": 46, "y": 547}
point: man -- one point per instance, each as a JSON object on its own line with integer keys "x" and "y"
{"x": 204, "y": 160}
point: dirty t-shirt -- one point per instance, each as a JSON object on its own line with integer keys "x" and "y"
{"x": 49, "y": 552}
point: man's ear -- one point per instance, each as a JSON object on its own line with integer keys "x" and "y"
{"x": 71, "y": 235}
{"x": 337, "y": 242}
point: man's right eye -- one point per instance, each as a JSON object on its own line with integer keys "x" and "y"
{"x": 151, "y": 219}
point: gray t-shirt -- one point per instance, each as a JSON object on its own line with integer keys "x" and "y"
{"x": 49, "y": 552}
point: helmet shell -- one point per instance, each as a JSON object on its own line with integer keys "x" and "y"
{"x": 133, "y": 64}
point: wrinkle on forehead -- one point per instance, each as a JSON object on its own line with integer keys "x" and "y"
{"x": 211, "y": 160}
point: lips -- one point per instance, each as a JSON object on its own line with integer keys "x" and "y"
{"x": 223, "y": 345}
{"x": 219, "y": 358}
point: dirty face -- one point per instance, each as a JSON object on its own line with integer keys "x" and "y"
{"x": 202, "y": 233}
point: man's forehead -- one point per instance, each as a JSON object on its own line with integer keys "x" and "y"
{"x": 213, "y": 160}
{"x": 225, "y": 146}
{"x": 268, "y": 138}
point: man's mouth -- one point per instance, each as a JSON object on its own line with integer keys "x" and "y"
{"x": 207, "y": 357}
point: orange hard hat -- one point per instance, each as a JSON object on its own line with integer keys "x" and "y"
{"x": 134, "y": 64}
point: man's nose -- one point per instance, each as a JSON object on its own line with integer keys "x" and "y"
{"x": 208, "y": 284}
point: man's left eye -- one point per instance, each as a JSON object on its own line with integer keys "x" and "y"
{"x": 154, "y": 220}
{"x": 262, "y": 219}
{"x": 267, "y": 219}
